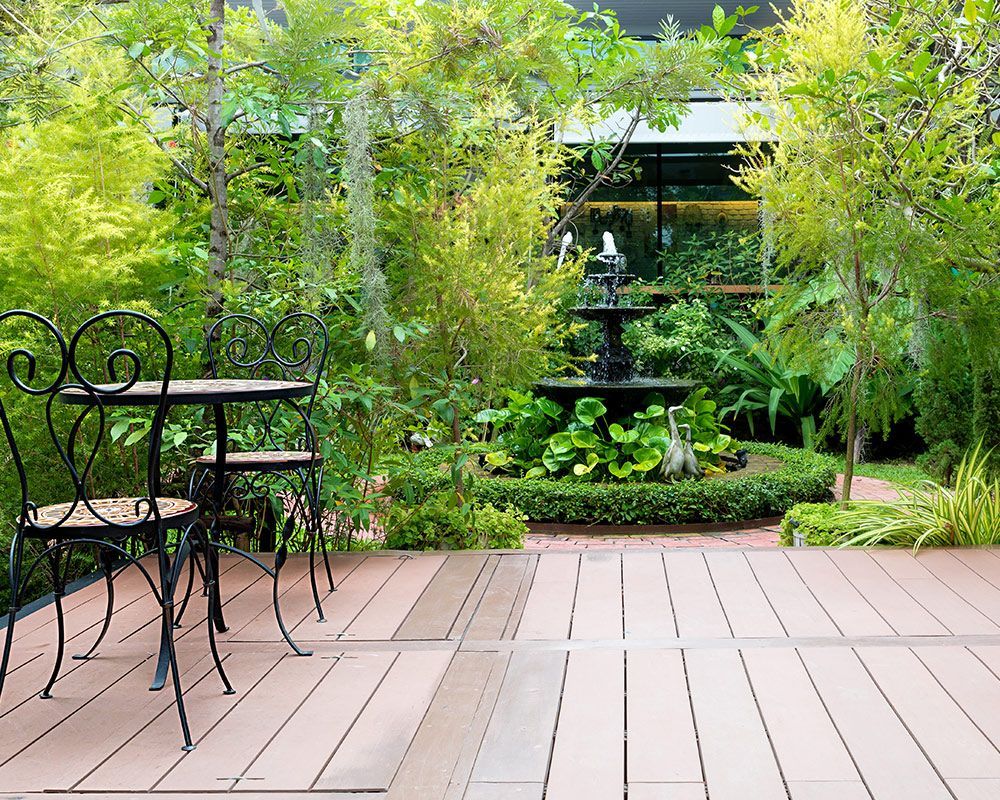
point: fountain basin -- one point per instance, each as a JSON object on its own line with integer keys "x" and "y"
{"x": 624, "y": 313}
{"x": 621, "y": 398}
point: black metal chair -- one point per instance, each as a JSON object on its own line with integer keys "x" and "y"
{"x": 43, "y": 373}
{"x": 281, "y": 457}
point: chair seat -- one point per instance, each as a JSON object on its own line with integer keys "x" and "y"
{"x": 119, "y": 511}
{"x": 261, "y": 460}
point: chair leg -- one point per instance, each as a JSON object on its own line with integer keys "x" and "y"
{"x": 312, "y": 579}
{"x": 168, "y": 632}
{"x": 212, "y": 599}
{"x": 58, "y": 590}
{"x": 107, "y": 566}
{"x": 195, "y": 565}
{"x": 14, "y": 576}
{"x": 169, "y": 577}
{"x": 280, "y": 556}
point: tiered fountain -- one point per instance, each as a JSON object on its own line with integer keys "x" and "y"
{"x": 611, "y": 375}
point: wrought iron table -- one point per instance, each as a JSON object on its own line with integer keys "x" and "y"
{"x": 217, "y": 393}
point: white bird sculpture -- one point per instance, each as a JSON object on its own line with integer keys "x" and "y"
{"x": 691, "y": 468}
{"x": 673, "y": 461}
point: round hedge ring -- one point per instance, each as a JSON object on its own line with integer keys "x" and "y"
{"x": 792, "y": 476}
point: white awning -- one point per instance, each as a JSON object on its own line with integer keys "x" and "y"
{"x": 705, "y": 123}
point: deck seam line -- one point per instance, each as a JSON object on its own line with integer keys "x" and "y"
{"x": 241, "y": 698}
{"x": 812, "y": 594}
{"x": 836, "y": 727}
{"x": 350, "y": 727}
{"x": 862, "y": 595}
{"x": 919, "y": 745}
{"x": 770, "y": 604}
{"x": 910, "y": 594}
{"x": 288, "y": 718}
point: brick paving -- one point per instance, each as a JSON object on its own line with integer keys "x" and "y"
{"x": 750, "y": 538}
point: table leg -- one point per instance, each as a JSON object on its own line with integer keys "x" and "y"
{"x": 218, "y": 500}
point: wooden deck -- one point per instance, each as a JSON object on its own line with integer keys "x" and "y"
{"x": 676, "y": 675}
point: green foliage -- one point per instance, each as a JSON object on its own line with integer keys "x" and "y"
{"x": 769, "y": 382}
{"x": 804, "y": 477}
{"x": 713, "y": 256}
{"x": 930, "y": 514}
{"x": 880, "y": 181}
{"x": 587, "y": 446}
{"x": 821, "y": 524}
{"x": 942, "y": 397}
{"x": 77, "y": 233}
{"x": 680, "y": 340}
{"x": 438, "y": 523}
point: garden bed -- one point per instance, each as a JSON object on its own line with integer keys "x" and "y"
{"x": 778, "y": 478}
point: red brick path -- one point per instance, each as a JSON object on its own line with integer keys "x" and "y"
{"x": 862, "y": 489}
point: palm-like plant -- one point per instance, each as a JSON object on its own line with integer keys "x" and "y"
{"x": 931, "y": 514}
{"x": 770, "y": 383}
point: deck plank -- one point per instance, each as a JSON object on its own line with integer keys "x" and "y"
{"x": 473, "y": 601}
{"x": 427, "y": 769}
{"x": 696, "y": 604}
{"x": 93, "y": 733}
{"x": 807, "y": 744}
{"x": 957, "y": 615}
{"x": 735, "y": 749}
{"x": 505, "y": 791}
{"x": 138, "y": 764}
{"x": 497, "y": 604}
{"x": 891, "y": 763}
{"x": 300, "y": 750}
{"x": 954, "y": 572}
{"x": 666, "y": 791}
{"x": 297, "y": 600}
{"x": 828, "y": 790}
{"x": 353, "y": 594}
{"x": 906, "y": 616}
{"x": 224, "y": 752}
{"x": 649, "y": 614}
{"x": 549, "y": 607}
{"x": 662, "y": 745}
{"x": 370, "y": 755}
{"x": 598, "y": 613}
{"x": 799, "y": 611}
{"x": 746, "y": 606}
{"x": 969, "y": 682}
{"x": 844, "y": 604}
{"x": 381, "y": 617}
{"x": 946, "y": 734}
{"x": 433, "y": 615}
{"x": 518, "y": 739}
{"x": 588, "y": 756}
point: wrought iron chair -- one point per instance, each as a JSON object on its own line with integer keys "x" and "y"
{"x": 68, "y": 387}
{"x": 281, "y": 457}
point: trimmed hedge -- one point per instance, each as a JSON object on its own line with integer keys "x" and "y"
{"x": 805, "y": 477}
{"x": 820, "y": 523}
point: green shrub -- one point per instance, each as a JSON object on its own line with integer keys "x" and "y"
{"x": 935, "y": 515}
{"x": 820, "y": 523}
{"x": 805, "y": 477}
{"x": 437, "y": 522}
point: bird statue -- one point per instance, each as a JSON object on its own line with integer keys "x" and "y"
{"x": 673, "y": 462}
{"x": 691, "y": 468}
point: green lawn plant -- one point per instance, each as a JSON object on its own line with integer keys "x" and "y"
{"x": 929, "y": 514}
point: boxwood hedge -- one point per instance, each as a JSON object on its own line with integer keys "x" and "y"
{"x": 804, "y": 477}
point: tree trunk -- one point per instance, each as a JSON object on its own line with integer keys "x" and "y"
{"x": 215, "y": 132}
{"x": 852, "y": 431}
